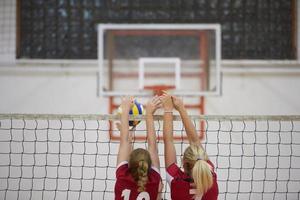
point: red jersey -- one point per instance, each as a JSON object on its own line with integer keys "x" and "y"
{"x": 180, "y": 184}
{"x": 126, "y": 188}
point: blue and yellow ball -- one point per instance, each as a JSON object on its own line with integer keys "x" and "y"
{"x": 136, "y": 109}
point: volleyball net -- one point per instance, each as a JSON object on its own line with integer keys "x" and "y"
{"x": 73, "y": 157}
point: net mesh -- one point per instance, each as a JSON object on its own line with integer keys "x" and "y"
{"x": 72, "y": 157}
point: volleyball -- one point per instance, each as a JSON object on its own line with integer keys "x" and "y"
{"x": 136, "y": 109}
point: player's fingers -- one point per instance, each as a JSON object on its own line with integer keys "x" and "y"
{"x": 158, "y": 105}
{"x": 163, "y": 96}
{"x": 164, "y": 92}
{"x": 156, "y": 100}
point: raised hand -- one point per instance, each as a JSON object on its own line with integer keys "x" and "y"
{"x": 126, "y": 104}
{"x": 153, "y": 104}
{"x": 178, "y": 103}
{"x": 167, "y": 102}
{"x": 125, "y": 138}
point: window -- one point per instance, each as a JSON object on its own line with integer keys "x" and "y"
{"x": 66, "y": 29}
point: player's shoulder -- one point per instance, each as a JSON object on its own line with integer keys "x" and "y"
{"x": 155, "y": 174}
{"x": 122, "y": 168}
{"x": 155, "y": 170}
{"x": 174, "y": 170}
{"x": 210, "y": 164}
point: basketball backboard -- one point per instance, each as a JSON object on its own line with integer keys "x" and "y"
{"x": 132, "y": 57}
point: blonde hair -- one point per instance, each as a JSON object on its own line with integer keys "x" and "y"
{"x": 139, "y": 165}
{"x": 196, "y": 167}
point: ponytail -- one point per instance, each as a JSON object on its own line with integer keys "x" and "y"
{"x": 139, "y": 165}
{"x": 202, "y": 176}
{"x": 197, "y": 168}
{"x": 142, "y": 172}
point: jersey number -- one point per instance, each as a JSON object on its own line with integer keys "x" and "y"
{"x": 141, "y": 196}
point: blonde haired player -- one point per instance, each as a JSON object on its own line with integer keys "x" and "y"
{"x": 198, "y": 180}
{"x": 137, "y": 172}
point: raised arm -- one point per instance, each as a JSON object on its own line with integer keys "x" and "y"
{"x": 187, "y": 122}
{"x": 125, "y": 139}
{"x": 151, "y": 107}
{"x": 170, "y": 152}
